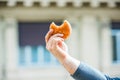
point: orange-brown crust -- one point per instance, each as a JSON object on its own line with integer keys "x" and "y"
{"x": 64, "y": 29}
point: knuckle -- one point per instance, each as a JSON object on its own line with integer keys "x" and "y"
{"x": 54, "y": 39}
{"x": 50, "y": 48}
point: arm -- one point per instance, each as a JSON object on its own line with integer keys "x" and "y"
{"x": 78, "y": 70}
{"x": 86, "y": 72}
{"x": 55, "y": 44}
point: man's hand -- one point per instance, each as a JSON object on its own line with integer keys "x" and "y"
{"x": 55, "y": 44}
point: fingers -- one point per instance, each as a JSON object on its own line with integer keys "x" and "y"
{"x": 52, "y": 40}
{"x": 53, "y": 43}
{"x": 58, "y": 36}
{"x": 57, "y": 42}
{"x": 48, "y": 35}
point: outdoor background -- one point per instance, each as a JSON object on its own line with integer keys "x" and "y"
{"x": 95, "y": 37}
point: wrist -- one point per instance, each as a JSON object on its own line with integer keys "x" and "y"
{"x": 71, "y": 64}
{"x": 62, "y": 58}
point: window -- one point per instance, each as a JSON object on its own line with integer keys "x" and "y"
{"x": 32, "y": 51}
{"x": 116, "y": 41}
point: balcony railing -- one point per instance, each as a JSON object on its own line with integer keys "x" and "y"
{"x": 63, "y": 3}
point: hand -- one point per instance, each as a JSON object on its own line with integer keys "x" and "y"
{"x": 55, "y": 44}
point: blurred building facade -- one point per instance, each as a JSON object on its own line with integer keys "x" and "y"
{"x": 95, "y": 37}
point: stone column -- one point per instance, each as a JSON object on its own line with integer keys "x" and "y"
{"x": 106, "y": 43}
{"x": 73, "y": 40}
{"x": 11, "y": 46}
{"x": 2, "y": 52}
{"x": 90, "y": 40}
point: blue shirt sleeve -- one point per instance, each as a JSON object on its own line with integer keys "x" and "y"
{"x": 108, "y": 78}
{"x": 86, "y": 72}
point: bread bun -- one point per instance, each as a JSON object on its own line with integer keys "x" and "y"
{"x": 64, "y": 29}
